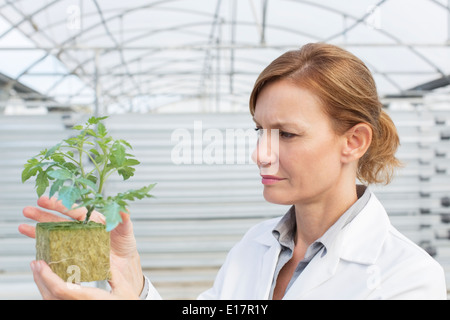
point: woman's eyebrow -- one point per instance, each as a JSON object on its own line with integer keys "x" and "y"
{"x": 281, "y": 125}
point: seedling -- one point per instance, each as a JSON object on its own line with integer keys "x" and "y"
{"x": 76, "y": 170}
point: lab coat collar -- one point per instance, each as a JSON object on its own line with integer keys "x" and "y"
{"x": 362, "y": 240}
{"x": 267, "y": 238}
{"x": 354, "y": 244}
{"x": 359, "y": 242}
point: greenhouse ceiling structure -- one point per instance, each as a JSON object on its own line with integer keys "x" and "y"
{"x": 204, "y": 55}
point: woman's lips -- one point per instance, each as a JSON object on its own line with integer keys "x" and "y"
{"x": 268, "y": 180}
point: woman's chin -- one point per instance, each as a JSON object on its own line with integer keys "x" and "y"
{"x": 276, "y": 197}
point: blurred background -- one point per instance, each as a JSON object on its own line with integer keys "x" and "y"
{"x": 164, "y": 71}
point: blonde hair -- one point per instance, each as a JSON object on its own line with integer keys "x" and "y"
{"x": 348, "y": 93}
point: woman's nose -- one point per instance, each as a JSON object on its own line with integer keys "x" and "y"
{"x": 267, "y": 147}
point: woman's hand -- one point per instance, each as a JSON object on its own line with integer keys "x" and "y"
{"x": 53, "y": 287}
{"x": 127, "y": 276}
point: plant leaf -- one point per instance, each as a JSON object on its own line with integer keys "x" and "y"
{"x": 101, "y": 129}
{"x": 88, "y": 182}
{"x": 95, "y": 120}
{"x": 94, "y": 151}
{"x": 112, "y": 214}
{"x": 55, "y": 187}
{"x": 131, "y": 195}
{"x": 117, "y": 155}
{"x": 30, "y": 169}
{"x": 41, "y": 183}
{"x": 69, "y": 195}
{"x": 60, "y": 174}
{"x": 91, "y": 132}
{"x": 58, "y": 157}
{"x": 126, "y": 143}
{"x": 72, "y": 167}
{"x": 131, "y": 162}
{"x": 92, "y": 178}
{"x": 126, "y": 172}
{"x": 52, "y": 150}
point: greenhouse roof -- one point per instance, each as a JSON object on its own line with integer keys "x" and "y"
{"x": 140, "y": 55}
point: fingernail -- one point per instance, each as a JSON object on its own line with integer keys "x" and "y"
{"x": 36, "y": 266}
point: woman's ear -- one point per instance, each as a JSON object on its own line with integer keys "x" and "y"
{"x": 357, "y": 141}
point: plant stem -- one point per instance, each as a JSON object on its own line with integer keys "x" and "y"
{"x": 81, "y": 161}
{"x": 103, "y": 172}
{"x": 81, "y": 150}
{"x": 69, "y": 157}
{"x": 88, "y": 214}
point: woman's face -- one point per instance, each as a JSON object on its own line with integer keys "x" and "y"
{"x": 305, "y": 166}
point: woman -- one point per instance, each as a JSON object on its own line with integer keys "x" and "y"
{"x": 336, "y": 241}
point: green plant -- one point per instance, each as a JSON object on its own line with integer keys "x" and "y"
{"x": 78, "y": 167}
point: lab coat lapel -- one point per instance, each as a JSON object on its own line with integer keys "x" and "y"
{"x": 353, "y": 244}
{"x": 320, "y": 269}
{"x": 268, "y": 265}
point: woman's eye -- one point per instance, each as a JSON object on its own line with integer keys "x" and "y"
{"x": 259, "y": 131}
{"x": 284, "y": 134}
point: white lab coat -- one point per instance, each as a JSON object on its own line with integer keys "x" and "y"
{"x": 370, "y": 259}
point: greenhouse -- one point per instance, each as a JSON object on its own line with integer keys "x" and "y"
{"x": 174, "y": 78}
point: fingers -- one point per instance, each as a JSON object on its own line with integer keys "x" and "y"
{"x": 53, "y": 287}
{"x": 41, "y": 215}
{"x": 125, "y": 228}
{"x": 27, "y": 230}
{"x": 120, "y": 286}
{"x": 123, "y": 242}
{"x": 49, "y": 284}
{"x": 54, "y": 204}
{"x": 38, "y": 215}
{"x": 77, "y": 213}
